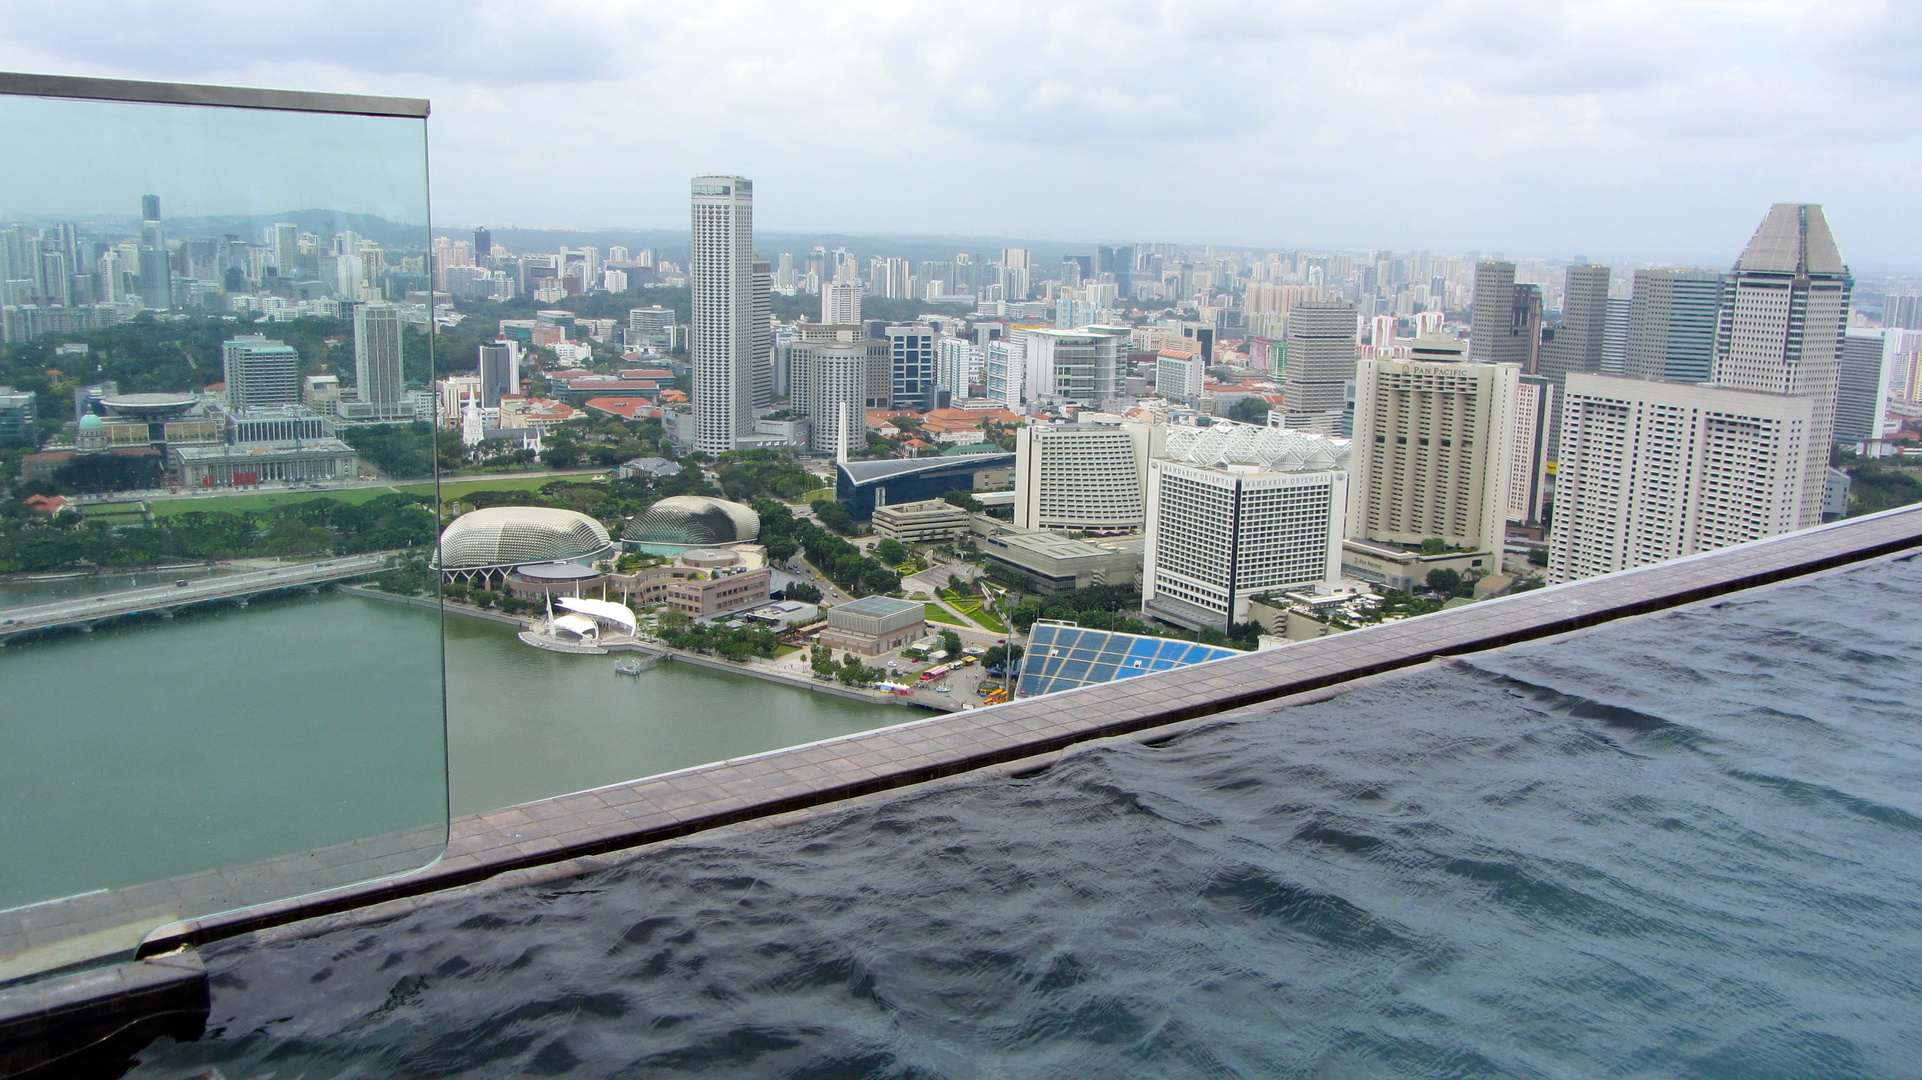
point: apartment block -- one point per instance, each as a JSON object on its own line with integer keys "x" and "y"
{"x": 1084, "y": 477}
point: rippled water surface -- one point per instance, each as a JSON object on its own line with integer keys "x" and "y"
{"x": 1682, "y": 846}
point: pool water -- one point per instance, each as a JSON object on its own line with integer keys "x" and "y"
{"x": 1685, "y": 845}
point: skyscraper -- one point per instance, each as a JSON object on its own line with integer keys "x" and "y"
{"x": 286, "y": 248}
{"x": 156, "y": 269}
{"x": 1236, "y": 510}
{"x": 1535, "y": 405}
{"x": 377, "y": 355}
{"x": 1433, "y": 448}
{"x": 260, "y": 372}
{"x": 841, "y": 303}
{"x": 911, "y": 360}
{"x": 1084, "y": 476}
{"x": 1615, "y": 337}
{"x": 763, "y": 334}
{"x": 499, "y": 368}
{"x": 1671, "y": 324}
{"x": 1650, "y": 471}
{"x": 1505, "y": 324}
{"x": 1862, "y": 390}
{"x": 1321, "y": 338}
{"x": 1577, "y": 342}
{"x": 721, "y": 282}
{"x": 1784, "y": 312}
{"x": 483, "y": 243}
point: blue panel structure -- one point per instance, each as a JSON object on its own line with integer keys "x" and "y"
{"x": 1063, "y": 656}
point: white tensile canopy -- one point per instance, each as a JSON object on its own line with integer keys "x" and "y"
{"x": 579, "y": 625}
{"x": 602, "y": 610}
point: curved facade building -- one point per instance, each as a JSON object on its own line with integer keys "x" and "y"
{"x": 498, "y": 538}
{"x": 689, "y": 521}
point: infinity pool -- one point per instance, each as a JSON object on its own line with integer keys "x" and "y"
{"x": 1687, "y": 845}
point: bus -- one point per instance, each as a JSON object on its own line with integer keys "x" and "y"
{"x": 934, "y": 673}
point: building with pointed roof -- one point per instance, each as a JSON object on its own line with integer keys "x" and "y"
{"x": 1784, "y": 312}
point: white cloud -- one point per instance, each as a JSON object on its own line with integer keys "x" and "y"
{"x": 1617, "y": 127}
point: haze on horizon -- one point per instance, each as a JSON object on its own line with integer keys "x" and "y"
{"x": 1619, "y": 129}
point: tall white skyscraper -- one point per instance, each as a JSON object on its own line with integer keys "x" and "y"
{"x": 721, "y": 282}
{"x": 1784, "y": 311}
{"x": 377, "y": 355}
{"x": 1650, "y": 471}
{"x": 1434, "y": 444}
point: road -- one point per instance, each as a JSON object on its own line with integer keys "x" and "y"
{"x": 87, "y": 609}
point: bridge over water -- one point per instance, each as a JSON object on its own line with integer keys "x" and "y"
{"x": 83, "y": 612}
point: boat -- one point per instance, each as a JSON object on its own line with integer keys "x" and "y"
{"x": 635, "y": 665}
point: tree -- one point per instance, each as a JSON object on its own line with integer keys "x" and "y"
{"x": 951, "y": 643}
{"x": 1434, "y": 545}
{"x": 965, "y": 500}
{"x": 1444, "y": 581}
{"x": 891, "y": 551}
{"x": 998, "y": 657}
{"x": 802, "y": 591}
{"x": 1252, "y": 409}
{"x": 821, "y": 658}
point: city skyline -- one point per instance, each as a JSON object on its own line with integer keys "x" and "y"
{"x": 1617, "y": 131}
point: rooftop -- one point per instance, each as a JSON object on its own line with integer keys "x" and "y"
{"x": 879, "y": 606}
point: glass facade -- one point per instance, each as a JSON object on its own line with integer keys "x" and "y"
{"x": 216, "y": 694}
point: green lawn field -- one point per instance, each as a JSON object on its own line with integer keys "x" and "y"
{"x": 937, "y": 613}
{"x": 454, "y": 489}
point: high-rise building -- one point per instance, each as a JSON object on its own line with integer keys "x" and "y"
{"x": 763, "y": 334}
{"x": 1535, "y": 404}
{"x": 1615, "y": 337}
{"x": 1505, "y": 324}
{"x": 841, "y": 303}
{"x": 1083, "y": 366}
{"x": 1016, "y": 282}
{"x": 156, "y": 268}
{"x": 1323, "y": 344}
{"x": 483, "y": 243}
{"x": 828, "y": 383}
{"x": 721, "y": 282}
{"x": 378, "y": 378}
{"x": 1902, "y": 311}
{"x": 1179, "y": 376}
{"x": 1862, "y": 388}
{"x": 1671, "y": 324}
{"x": 1784, "y": 312}
{"x": 651, "y": 327}
{"x": 911, "y": 359}
{"x": 1577, "y": 341}
{"x": 499, "y": 368}
{"x": 1004, "y": 371}
{"x": 1649, "y": 471}
{"x": 1090, "y": 477}
{"x": 260, "y": 372}
{"x": 957, "y": 365}
{"x": 1236, "y": 510}
{"x": 1433, "y": 448}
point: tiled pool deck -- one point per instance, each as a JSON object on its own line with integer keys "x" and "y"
{"x": 629, "y": 815}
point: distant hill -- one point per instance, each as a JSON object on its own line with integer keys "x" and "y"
{"x": 673, "y": 243}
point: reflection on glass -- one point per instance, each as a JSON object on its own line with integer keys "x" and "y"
{"x": 216, "y": 424}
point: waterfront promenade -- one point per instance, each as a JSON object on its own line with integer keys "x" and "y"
{"x": 82, "y": 612}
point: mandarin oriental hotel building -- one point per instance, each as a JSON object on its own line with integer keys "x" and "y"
{"x": 1236, "y": 510}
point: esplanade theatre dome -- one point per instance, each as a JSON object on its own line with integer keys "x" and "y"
{"x": 501, "y": 536}
{"x": 692, "y": 521}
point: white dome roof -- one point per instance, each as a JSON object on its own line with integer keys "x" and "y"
{"x": 510, "y": 535}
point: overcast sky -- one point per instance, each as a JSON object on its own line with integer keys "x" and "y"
{"x": 1621, "y": 130}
